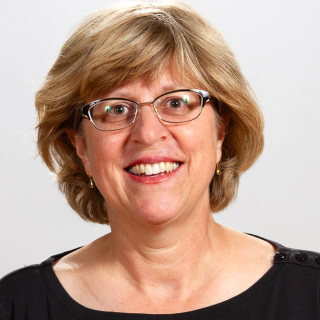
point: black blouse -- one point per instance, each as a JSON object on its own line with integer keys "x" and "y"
{"x": 289, "y": 290}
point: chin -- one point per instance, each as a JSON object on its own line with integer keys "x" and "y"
{"x": 158, "y": 213}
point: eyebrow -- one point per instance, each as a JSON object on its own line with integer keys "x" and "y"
{"x": 172, "y": 86}
{"x": 162, "y": 90}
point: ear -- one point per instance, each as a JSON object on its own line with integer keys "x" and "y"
{"x": 221, "y": 136}
{"x": 79, "y": 143}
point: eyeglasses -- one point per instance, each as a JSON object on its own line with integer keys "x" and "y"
{"x": 175, "y": 107}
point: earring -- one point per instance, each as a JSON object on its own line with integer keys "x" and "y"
{"x": 218, "y": 171}
{"x": 91, "y": 184}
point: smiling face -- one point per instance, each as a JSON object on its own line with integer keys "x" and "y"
{"x": 152, "y": 171}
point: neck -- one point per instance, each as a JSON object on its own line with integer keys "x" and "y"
{"x": 173, "y": 256}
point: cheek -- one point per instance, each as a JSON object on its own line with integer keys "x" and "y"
{"x": 201, "y": 136}
{"x": 206, "y": 145}
{"x": 101, "y": 151}
{"x": 103, "y": 145}
{"x": 198, "y": 141}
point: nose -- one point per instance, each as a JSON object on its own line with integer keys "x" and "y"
{"x": 148, "y": 129}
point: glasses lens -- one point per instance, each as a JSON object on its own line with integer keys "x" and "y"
{"x": 113, "y": 114}
{"x": 179, "y": 106}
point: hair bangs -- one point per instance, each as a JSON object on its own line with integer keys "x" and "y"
{"x": 151, "y": 45}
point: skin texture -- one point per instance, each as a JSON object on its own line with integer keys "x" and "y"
{"x": 165, "y": 253}
{"x": 196, "y": 144}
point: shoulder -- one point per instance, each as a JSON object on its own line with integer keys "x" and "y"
{"x": 20, "y": 289}
{"x": 297, "y": 284}
{"x": 30, "y": 273}
{"x": 296, "y": 267}
{"x": 290, "y": 256}
{"x": 27, "y": 289}
{"x": 298, "y": 260}
{"x": 20, "y": 278}
{"x": 291, "y": 288}
{"x": 297, "y": 275}
{"x": 287, "y": 255}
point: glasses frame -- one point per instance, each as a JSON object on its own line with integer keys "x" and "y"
{"x": 86, "y": 109}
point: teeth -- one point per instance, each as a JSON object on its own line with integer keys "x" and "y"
{"x": 169, "y": 166}
{"x": 162, "y": 167}
{"x": 148, "y": 169}
{"x": 155, "y": 168}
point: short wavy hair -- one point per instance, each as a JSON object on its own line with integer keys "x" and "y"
{"x": 118, "y": 45}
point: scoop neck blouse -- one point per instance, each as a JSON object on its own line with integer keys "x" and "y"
{"x": 290, "y": 289}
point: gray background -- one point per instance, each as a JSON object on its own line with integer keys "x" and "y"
{"x": 278, "y": 46}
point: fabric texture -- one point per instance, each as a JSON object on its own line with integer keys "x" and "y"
{"x": 289, "y": 290}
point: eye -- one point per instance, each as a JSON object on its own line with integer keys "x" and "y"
{"x": 179, "y": 102}
{"x": 175, "y": 103}
{"x": 178, "y": 106}
{"x": 118, "y": 109}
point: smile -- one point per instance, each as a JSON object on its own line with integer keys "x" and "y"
{"x": 145, "y": 169}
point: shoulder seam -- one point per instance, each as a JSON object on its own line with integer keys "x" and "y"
{"x": 302, "y": 258}
{"x": 291, "y": 250}
{"x": 298, "y": 264}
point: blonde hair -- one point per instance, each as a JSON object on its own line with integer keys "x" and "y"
{"x": 115, "y": 46}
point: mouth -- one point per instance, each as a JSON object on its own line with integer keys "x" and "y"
{"x": 154, "y": 169}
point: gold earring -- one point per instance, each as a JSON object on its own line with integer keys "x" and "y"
{"x": 218, "y": 171}
{"x": 91, "y": 184}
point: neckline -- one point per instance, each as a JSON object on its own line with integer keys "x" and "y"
{"x": 219, "y": 309}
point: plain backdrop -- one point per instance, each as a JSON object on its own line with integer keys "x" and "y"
{"x": 277, "y": 43}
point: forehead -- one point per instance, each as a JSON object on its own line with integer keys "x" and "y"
{"x": 152, "y": 88}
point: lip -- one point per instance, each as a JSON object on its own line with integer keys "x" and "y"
{"x": 154, "y": 179}
{"x": 151, "y": 160}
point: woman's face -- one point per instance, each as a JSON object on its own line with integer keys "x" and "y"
{"x": 109, "y": 156}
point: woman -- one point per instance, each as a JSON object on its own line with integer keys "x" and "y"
{"x": 148, "y": 123}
